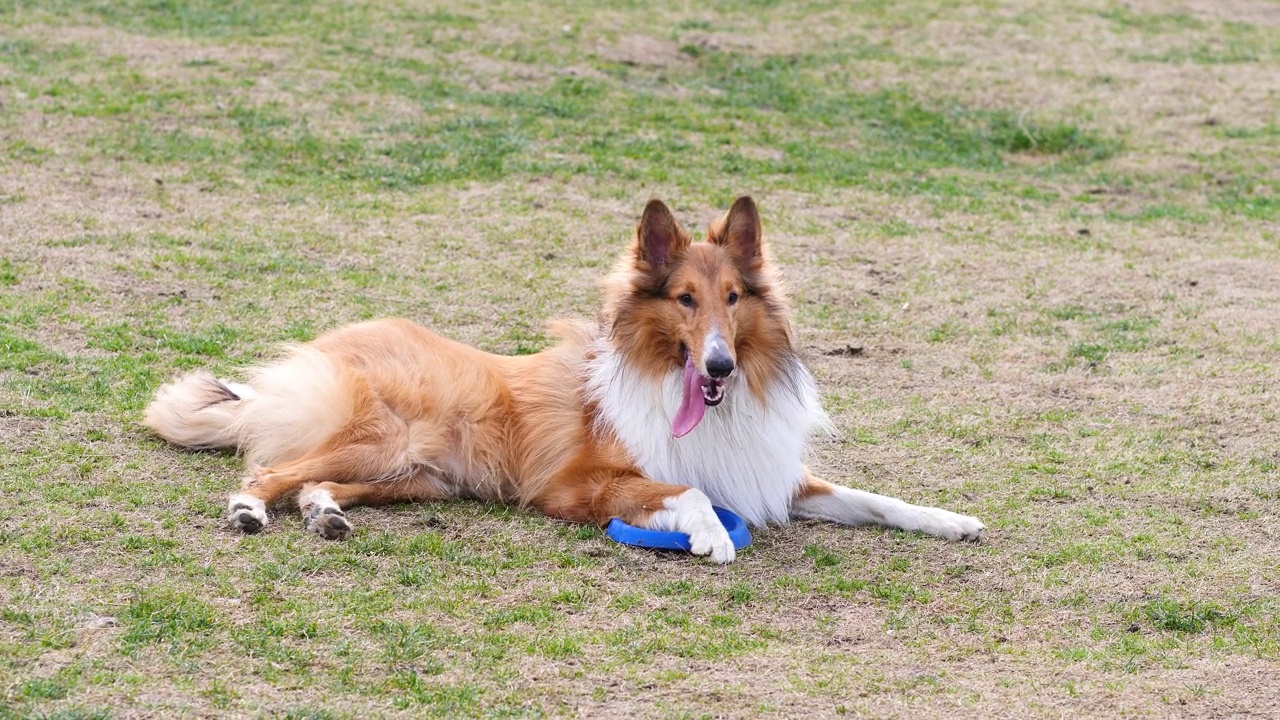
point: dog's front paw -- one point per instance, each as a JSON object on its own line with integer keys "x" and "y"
{"x": 691, "y": 513}
{"x": 712, "y": 541}
{"x": 953, "y": 526}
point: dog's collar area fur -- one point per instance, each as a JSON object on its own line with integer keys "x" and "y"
{"x": 747, "y": 454}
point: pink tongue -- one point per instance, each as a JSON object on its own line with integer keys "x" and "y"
{"x": 692, "y": 407}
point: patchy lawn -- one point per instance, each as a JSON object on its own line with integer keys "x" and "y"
{"x": 1033, "y": 248}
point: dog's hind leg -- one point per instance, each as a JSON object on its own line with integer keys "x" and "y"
{"x": 364, "y": 452}
{"x": 821, "y": 500}
{"x": 322, "y": 504}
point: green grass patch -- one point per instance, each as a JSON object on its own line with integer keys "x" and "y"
{"x": 1185, "y": 617}
{"x": 164, "y": 616}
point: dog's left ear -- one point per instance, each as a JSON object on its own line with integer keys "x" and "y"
{"x": 740, "y": 232}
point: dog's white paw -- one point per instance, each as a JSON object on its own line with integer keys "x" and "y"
{"x": 691, "y": 513}
{"x": 952, "y": 526}
{"x": 246, "y": 513}
{"x": 323, "y": 516}
{"x": 329, "y": 523}
{"x": 712, "y": 541}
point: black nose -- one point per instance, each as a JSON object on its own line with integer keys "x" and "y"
{"x": 719, "y": 366}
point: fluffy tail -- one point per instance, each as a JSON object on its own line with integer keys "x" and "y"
{"x": 292, "y": 407}
{"x": 199, "y": 411}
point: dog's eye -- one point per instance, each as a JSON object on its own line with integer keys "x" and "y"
{"x": 685, "y": 300}
{"x": 733, "y": 298}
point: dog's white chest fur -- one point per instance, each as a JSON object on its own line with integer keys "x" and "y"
{"x": 745, "y": 455}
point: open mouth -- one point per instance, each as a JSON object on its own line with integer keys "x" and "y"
{"x": 699, "y": 393}
{"x": 712, "y": 391}
{"x": 712, "y": 388}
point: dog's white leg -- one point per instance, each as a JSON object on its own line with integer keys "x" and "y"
{"x": 691, "y": 513}
{"x": 820, "y": 500}
{"x": 246, "y": 513}
{"x": 322, "y": 515}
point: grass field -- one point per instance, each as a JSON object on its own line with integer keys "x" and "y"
{"x": 1034, "y": 251}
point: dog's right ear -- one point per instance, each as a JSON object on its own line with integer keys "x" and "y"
{"x": 659, "y": 239}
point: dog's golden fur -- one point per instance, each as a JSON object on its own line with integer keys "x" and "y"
{"x": 389, "y": 411}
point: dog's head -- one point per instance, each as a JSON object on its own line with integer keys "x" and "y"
{"x": 711, "y": 310}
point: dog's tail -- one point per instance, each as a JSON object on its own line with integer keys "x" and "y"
{"x": 287, "y": 409}
{"x": 199, "y": 411}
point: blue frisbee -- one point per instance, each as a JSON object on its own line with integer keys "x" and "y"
{"x": 621, "y": 532}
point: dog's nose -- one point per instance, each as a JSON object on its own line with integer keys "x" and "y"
{"x": 719, "y": 366}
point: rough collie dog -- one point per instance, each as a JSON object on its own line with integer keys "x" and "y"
{"x": 686, "y": 391}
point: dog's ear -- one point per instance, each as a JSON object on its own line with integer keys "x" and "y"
{"x": 740, "y": 232}
{"x": 659, "y": 239}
